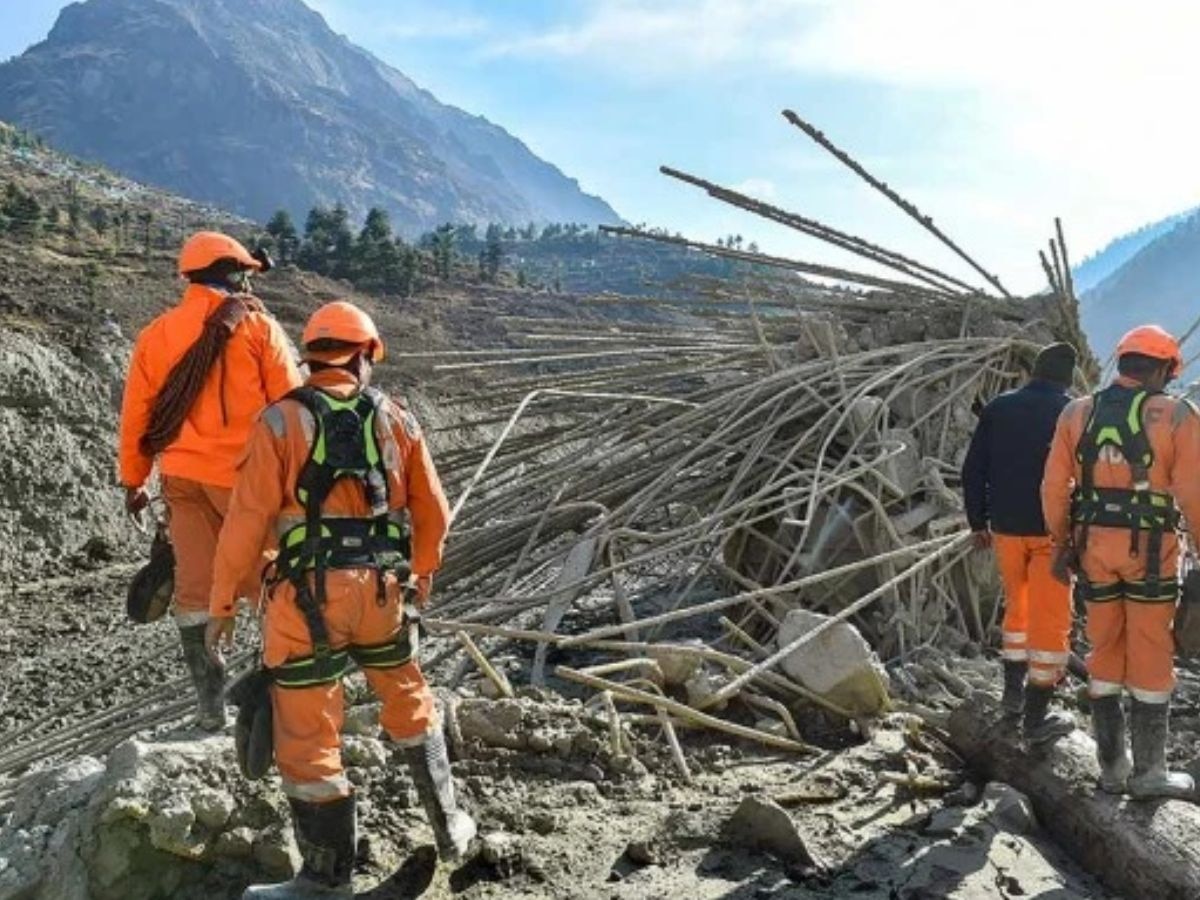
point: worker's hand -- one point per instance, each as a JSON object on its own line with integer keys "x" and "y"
{"x": 1064, "y": 564}
{"x": 219, "y": 631}
{"x": 136, "y": 499}
{"x": 422, "y": 590}
{"x": 982, "y": 539}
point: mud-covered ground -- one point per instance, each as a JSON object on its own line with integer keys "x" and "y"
{"x": 562, "y": 817}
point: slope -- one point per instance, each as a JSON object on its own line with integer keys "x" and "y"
{"x": 257, "y": 105}
{"x": 1120, "y": 250}
{"x": 1159, "y": 284}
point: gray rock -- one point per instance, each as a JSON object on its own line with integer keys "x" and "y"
{"x": 364, "y": 752}
{"x": 759, "y": 824}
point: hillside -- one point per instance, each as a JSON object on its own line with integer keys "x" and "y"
{"x": 257, "y": 104}
{"x": 1161, "y": 283}
{"x": 1100, "y": 265}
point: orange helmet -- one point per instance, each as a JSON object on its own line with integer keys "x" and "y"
{"x": 204, "y": 248}
{"x": 342, "y": 321}
{"x": 1155, "y": 342}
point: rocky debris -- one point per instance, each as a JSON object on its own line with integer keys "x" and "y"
{"x": 838, "y": 664}
{"x": 759, "y": 824}
{"x": 153, "y": 820}
{"x": 57, "y": 405}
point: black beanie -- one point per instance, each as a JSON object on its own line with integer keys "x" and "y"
{"x": 1055, "y": 362}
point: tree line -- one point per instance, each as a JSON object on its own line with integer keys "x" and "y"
{"x": 376, "y": 257}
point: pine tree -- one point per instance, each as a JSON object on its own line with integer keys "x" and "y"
{"x": 374, "y": 250}
{"x": 443, "y": 250}
{"x": 492, "y": 256}
{"x": 285, "y": 239}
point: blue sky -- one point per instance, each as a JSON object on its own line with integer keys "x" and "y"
{"x": 993, "y": 117}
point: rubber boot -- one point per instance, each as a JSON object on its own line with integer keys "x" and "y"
{"x": 429, "y": 766}
{"x": 1150, "y": 779}
{"x": 208, "y": 679}
{"x": 326, "y": 836}
{"x": 1040, "y": 726}
{"x": 1108, "y": 724}
{"x": 1012, "y": 701}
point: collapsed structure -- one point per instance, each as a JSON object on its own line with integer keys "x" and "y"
{"x": 738, "y": 512}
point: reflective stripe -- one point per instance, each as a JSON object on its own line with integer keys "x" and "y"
{"x": 307, "y": 671}
{"x": 1014, "y": 637}
{"x": 390, "y": 654}
{"x": 417, "y": 740}
{"x": 1015, "y": 655}
{"x": 1104, "y": 688}
{"x": 1149, "y": 696}
{"x": 272, "y": 417}
{"x": 1045, "y": 676}
{"x": 1049, "y": 657}
{"x": 330, "y": 788}
{"x": 183, "y": 620}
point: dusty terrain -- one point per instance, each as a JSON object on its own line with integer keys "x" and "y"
{"x": 105, "y": 791}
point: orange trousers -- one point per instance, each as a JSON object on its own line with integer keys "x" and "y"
{"x": 308, "y": 720}
{"x": 1132, "y": 642}
{"x": 195, "y": 512}
{"x": 1037, "y": 607}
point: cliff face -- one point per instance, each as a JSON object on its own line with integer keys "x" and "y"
{"x": 257, "y": 105}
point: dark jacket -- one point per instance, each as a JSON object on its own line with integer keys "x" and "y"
{"x": 1002, "y": 474}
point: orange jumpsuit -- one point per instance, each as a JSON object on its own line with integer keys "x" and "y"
{"x": 1037, "y": 607}
{"x": 308, "y": 720}
{"x": 1132, "y": 644}
{"x": 198, "y": 468}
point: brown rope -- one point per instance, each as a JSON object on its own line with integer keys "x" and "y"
{"x": 175, "y": 399}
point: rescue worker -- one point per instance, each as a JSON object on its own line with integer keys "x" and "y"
{"x": 1124, "y": 463}
{"x": 1002, "y": 479}
{"x": 199, "y": 376}
{"x": 332, "y": 469}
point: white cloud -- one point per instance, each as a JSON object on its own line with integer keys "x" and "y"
{"x": 663, "y": 36}
{"x": 1084, "y": 108}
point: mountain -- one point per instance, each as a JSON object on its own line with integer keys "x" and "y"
{"x": 257, "y": 105}
{"x": 1160, "y": 283}
{"x": 1119, "y": 251}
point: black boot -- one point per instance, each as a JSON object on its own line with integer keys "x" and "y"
{"x": 429, "y": 766}
{"x": 208, "y": 678}
{"x": 1108, "y": 723}
{"x": 326, "y": 835}
{"x": 1150, "y": 779}
{"x": 1040, "y": 726}
{"x": 1012, "y": 701}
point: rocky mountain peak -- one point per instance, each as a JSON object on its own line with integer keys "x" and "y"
{"x": 258, "y": 104}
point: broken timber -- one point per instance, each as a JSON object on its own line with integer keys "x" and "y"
{"x": 1142, "y": 849}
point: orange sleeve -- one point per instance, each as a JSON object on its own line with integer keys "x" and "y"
{"x": 427, "y": 505}
{"x": 1185, "y": 481}
{"x": 1058, "y": 479}
{"x": 253, "y": 509}
{"x": 134, "y": 466}
{"x": 277, "y": 367}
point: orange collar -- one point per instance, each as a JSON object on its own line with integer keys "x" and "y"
{"x": 338, "y": 382}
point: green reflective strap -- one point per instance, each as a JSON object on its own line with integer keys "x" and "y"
{"x": 1109, "y": 434}
{"x": 309, "y": 671}
{"x": 371, "y": 445}
{"x": 1134, "y": 418}
{"x": 388, "y": 655}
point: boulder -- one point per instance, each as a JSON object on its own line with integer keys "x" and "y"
{"x": 759, "y": 824}
{"x": 838, "y": 664}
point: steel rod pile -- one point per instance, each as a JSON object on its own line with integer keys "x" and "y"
{"x": 643, "y": 486}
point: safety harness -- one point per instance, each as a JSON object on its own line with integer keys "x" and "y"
{"x": 1117, "y": 421}
{"x": 344, "y": 447}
